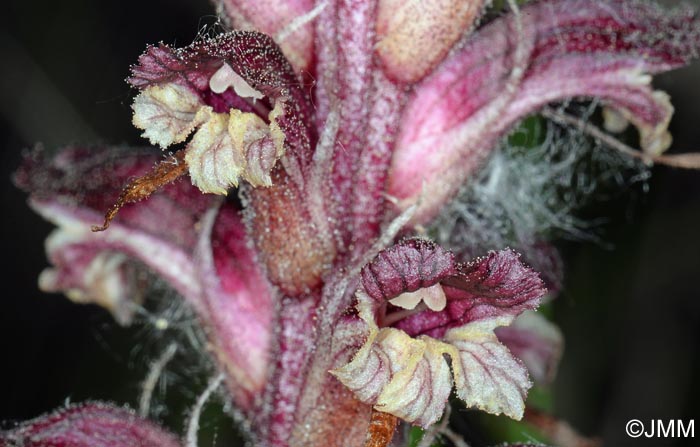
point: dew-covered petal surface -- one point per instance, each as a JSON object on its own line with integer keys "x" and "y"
{"x": 403, "y": 370}
{"x": 240, "y": 71}
{"x": 88, "y": 425}
{"x": 406, "y": 267}
{"x": 486, "y": 374}
{"x": 412, "y": 379}
{"x": 569, "y": 49}
{"x": 168, "y": 113}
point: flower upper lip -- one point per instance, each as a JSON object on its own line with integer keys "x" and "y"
{"x": 497, "y": 283}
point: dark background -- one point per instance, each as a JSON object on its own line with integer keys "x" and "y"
{"x": 630, "y": 313}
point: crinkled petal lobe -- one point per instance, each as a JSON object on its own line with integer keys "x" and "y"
{"x": 406, "y": 267}
{"x": 239, "y": 96}
{"x": 405, "y": 370}
{"x": 167, "y": 114}
{"x": 411, "y": 379}
{"x": 486, "y": 374}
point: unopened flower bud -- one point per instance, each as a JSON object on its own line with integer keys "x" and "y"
{"x": 415, "y": 36}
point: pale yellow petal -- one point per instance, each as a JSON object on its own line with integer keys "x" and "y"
{"x": 166, "y": 113}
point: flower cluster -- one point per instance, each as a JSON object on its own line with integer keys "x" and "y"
{"x": 345, "y": 126}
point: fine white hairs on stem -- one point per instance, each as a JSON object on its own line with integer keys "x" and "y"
{"x": 149, "y": 384}
{"x": 387, "y": 236}
{"x": 193, "y": 424}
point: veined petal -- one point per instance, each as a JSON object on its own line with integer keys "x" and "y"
{"x": 398, "y": 374}
{"x": 233, "y": 146}
{"x": 214, "y": 162}
{"x": 407, "y": 266}
{"x": 410, "y": 377}
{"x": 167, "y": 114}
{"x": 486, "y": 374}
{"x": 574, "y": 49}
{"x": 288, "y": 21}
{"x": 419, "y": 377}
{"x": 88, "y": 425}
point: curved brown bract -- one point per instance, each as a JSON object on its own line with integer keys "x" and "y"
{"x": 381, "y": 429}
{"x": 162, "y": 174}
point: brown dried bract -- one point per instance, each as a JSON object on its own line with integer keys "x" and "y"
{"x": 381, "y": 429}
{"x": 165, "y": 172}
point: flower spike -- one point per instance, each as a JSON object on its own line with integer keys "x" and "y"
{"x": 324, "y": 328}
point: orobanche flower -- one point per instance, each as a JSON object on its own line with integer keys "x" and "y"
{"x": 403, "y": 370}
{"x": 345, "y": 126}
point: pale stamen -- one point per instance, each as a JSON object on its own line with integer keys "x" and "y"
{"x": 225, "y": 77}
{"x": 433, "y": 296}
